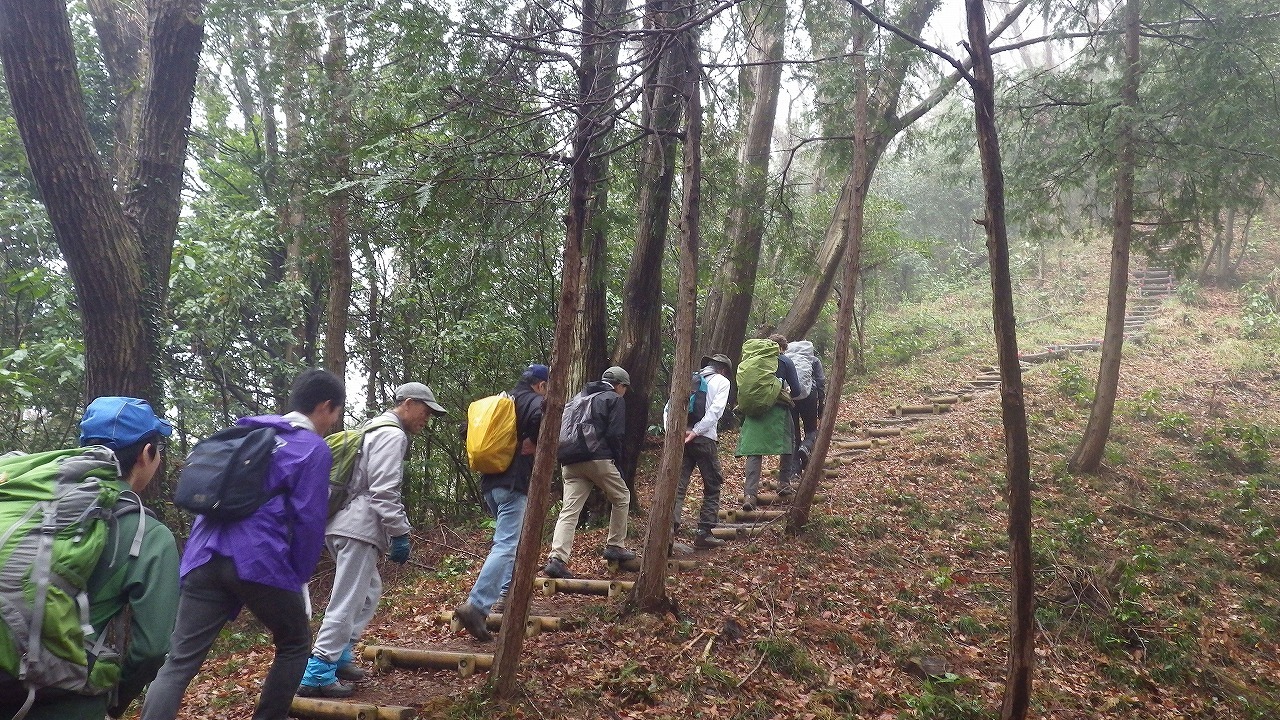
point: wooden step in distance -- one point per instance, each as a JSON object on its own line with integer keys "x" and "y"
{"x": 534, "y": 625}
{"x": 583, "y": 586}
{"x": 882, "y": 432}
{"x": 750, "y": 515}
{"x": 932, "y": 409}
{"x": 737, "y": 533}
{"x": 386, "y": 657}
{"x": 944, "y": 399}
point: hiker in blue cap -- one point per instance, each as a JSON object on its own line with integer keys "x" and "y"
{"x": 506, "y": 494}
{"x": 137, "y": 570}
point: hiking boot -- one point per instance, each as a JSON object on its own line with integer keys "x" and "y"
{"x": 557, "y": 569}
{"x": 332, "y": 690}
{"x": 352, "y": 673}
{"x": 706, "y": 541}
{"x": 500, "y": 604}
{"x": 786, "y": 491}
{"x": 616, "y": 552}
{"x": 473, "y": 620}
{"x": 749, "y": 503}
{"x": 803, "y": 454}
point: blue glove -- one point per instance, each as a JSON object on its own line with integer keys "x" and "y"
{"x": 399, "y": 549}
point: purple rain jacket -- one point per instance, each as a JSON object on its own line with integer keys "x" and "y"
{"x": 279, "y": 544}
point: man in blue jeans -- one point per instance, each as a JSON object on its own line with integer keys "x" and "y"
{"x": 507, "y": 494}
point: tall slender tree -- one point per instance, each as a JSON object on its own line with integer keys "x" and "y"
{"x": 1088, "y": 455}
{"x": 649, "y": 592}
{"x": 728, "y": 304}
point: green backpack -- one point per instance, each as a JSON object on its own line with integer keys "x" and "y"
{"x": 347, "y": 446}
{"x": 758, "y": 383}
{"x": 56, "y": 510}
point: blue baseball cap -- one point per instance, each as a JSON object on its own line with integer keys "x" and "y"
{"x": 538, "y": 372}
{"x": 119, "y": 422}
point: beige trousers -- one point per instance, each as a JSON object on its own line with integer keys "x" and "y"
{"x": 578, "y": 480}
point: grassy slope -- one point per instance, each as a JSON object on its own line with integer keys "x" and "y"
{"x": 1155, "y": 597}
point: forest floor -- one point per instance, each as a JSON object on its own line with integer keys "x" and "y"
{"x": 1158, "y": 579}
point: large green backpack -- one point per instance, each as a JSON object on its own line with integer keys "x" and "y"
{"x": 347, "y": 446}
{"x": 758, "y": 383}
{"x": 56, "y": 509}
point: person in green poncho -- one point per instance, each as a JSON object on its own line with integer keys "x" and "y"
{"x": 770, "y": 432}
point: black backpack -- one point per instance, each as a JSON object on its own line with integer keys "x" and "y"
{"x": 225, "y": 475}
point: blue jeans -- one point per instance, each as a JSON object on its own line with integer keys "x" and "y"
{"x": 507, "y": 507}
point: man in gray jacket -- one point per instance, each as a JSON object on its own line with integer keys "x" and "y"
{"x": 373, "y": 521}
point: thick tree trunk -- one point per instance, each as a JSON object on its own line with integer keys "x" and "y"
{"x": 1088, "y": 456}
{"x": 118, "y": 256}
{"x": 592, "y": 354}
{"x": 798, "y": 517}
{"x": 1017, "y": 695}
{"x": 639, "y": 345}
{"x": 649, "y": 593}
{"x": 511, "y": 638}
{"x": 728, "y": 306}
{"x": 339, "y": 201}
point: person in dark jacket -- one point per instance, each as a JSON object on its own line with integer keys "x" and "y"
{"x": 261, "y": 562}
{"x": 590, "y": 448}
{"x": 507, "y": 494}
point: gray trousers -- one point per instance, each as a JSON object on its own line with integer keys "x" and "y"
{"x": 357, "y": 588}
{"x": 212, "y": 594}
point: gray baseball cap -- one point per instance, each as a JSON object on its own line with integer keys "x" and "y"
{"x": 616, "y": 375}
{"x": 418, "y": 391}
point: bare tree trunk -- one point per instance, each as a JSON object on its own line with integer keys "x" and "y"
{"x": 728, "y": 305}
{"x": 649, "y": 593}
{"x": 1013, "y": 409}
{"x": 511, "y": 638}
{"x": 639, "y": 345}
{"x": 294, "y": 217}
{"x": 592, "y": 353}
{"x": 798, "y": 516}
{"x": 339, "y": 201}
{"x": 117, "y": 254}
{"x": 1088, "y": 456}
{"x": 1228, "y": 239}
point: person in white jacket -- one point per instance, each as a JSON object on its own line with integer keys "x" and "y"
{"x": 372, "y": 523}
{"x": 701, "y": 448}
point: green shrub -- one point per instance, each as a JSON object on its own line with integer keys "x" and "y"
{"x": 1260, "y": 315}
{"x": 1075, "y": 383}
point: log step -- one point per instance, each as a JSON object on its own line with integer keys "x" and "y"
{"x": 737, "y": 533}
{"x": 466, "y": 664}
{"x": 931, "y": 409}
{"x": 319, "y": 709}
{"x": 883, "y": 432}
{"x": 734, "y": 516}
{"x": 534, "y": 625}
{"x": 583, "y": 586}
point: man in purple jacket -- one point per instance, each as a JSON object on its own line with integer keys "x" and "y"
{"x": 262, "y": 561}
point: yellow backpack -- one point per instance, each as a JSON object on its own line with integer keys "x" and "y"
{"x": 491, "y": 434}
